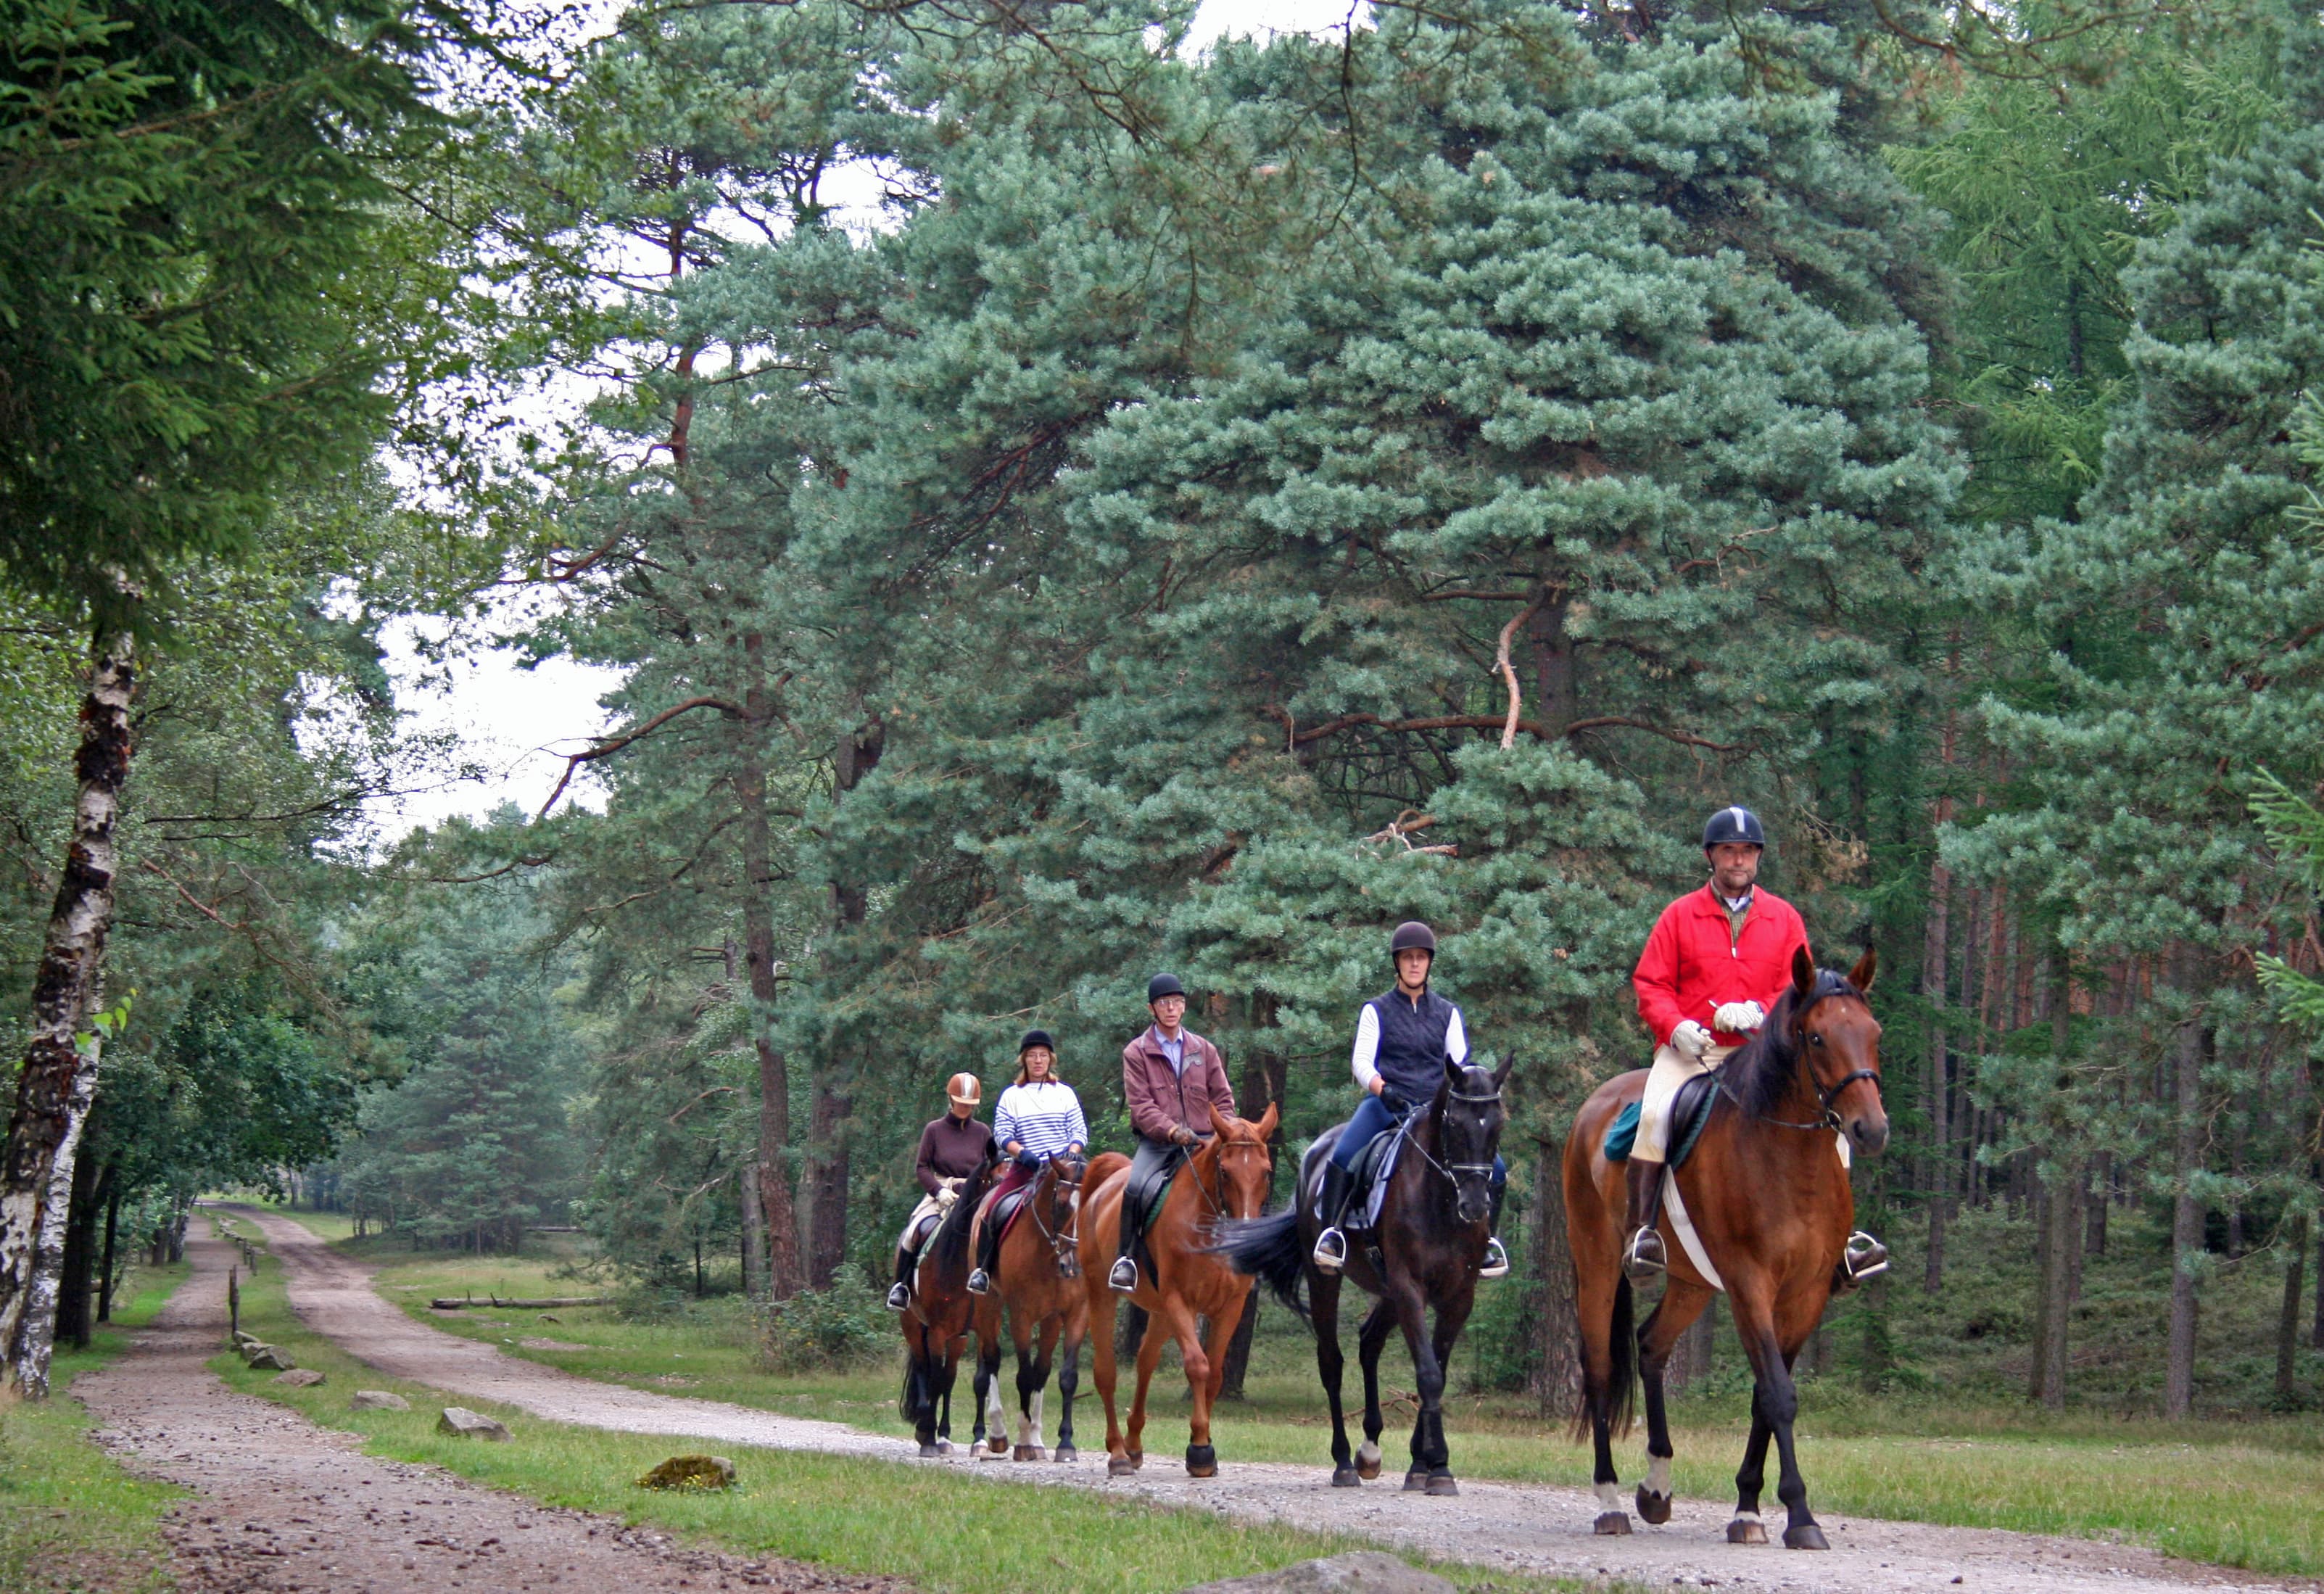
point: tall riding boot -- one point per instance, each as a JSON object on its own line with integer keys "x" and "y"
{"x": 988, "y": 1257}
{"x": 1331, "y": 1253}
{"x": 1643, "y": 1256}
{"x": 1123, "y": 1279}
{"x": 900, "y": 1293}
{"x": 1496, "y": 1264}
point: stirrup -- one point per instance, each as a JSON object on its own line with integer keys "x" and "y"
{"x": 900, "y": 1296}
{"x": 1123, "y": 1279}
{"x": 1496, "y": 1264}
{"x": 980, "y": 1283}
{"x": 1645, "y": 1257}
{"x": 1331, "y": 1252}
{"x": 1863, "y": 1258}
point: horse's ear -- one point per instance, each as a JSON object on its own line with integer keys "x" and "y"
{"x": 1219, "y": 1121}
{"x": 1501, "y": 1074}
{"x": 1268, "y": 1120}
{"x": 1803, "y": 973}
{"x": 1861, "y": 976}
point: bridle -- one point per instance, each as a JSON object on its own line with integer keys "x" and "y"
{"x": 1453, "y": 1170}
{"x": 1064, "y": 1242}
{"x": 1214, "y": 1199}
{"x": 1825, "y": 1094}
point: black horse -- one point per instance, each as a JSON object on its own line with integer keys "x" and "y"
{"x": 937, "y": 1323}
{"x": 1434, "y": 1221}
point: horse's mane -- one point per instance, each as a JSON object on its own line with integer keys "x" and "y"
{"x": 949, "y": 1244}
{"x": 1762, "y": 1070}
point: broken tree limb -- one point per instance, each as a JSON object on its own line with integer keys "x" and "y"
{"x": 505, "y": 1304}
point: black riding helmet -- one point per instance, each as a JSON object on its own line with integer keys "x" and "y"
{"x": 1163, "y": 985}
{"x": 1036, "y": 1037}
{"x": 1410, "y": 935}
{"x": 1733, "y": 825}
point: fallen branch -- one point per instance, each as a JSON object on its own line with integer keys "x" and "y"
{"x": 455, "y": 1303}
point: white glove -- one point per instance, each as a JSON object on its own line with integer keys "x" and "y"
{"x": 1690, "y": 1040}
{"x": 1739, "y": 1017}
{"x": 946, "y": 1194}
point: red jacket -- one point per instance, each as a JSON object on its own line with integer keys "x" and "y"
{"x": 1691, "y": 967}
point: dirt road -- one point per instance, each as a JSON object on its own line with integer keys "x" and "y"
{"x": 282, "y": 1505}
{"x": 1533, "y": 1527}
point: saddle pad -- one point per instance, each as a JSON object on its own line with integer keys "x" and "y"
{"x": 1690, "y": 1115}
{"x": 1375, "y": 1166}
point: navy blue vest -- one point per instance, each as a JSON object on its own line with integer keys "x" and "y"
{"x": 1411, "y": 1055}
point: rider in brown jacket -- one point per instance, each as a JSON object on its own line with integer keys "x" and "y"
{"x": 1171, "y": 1078}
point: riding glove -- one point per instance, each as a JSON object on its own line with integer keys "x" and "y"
{"x": 1739, "y": 1017}
{"x": 1029, "y": 1162}
{"x": 1689, "y": 1039}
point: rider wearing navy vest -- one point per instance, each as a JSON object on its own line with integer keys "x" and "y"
{"x": 1404, "y": 1037}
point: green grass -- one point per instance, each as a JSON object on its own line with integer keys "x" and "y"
{"x": 2239, "y": 1493}
{"x": 71, "y": 1518}
{"x": 942, "y": 1532}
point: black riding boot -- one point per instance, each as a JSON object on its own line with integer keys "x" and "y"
{"x": 988, "y": 1256}
{"x": 1123, "y": 1279}
{"x": 1643, "y": 1256}
{"x": 900, "y": 1293}
{"x": 1331, "y": 1252}
{"x": 1496, "y": 1264}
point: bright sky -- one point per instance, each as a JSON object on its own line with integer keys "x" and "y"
{"x": 515, "y": 725}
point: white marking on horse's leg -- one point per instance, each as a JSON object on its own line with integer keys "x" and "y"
{"x": 1609, "y": 1497}
{"x": 996, "y": 1415}
{"x": 1040, "y": 1398}
{"x": 1747, "y": 1516}
{"x": 1658, "y": 1476}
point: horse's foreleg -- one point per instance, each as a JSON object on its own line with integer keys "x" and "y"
{"x": 1323, "y": 1319}
{"x": 1428, "y": 1378}
{"x": 1681, "y": 1303}
{"x": 1069, "y": 1380}
{"x": 944, "y": 1398}
{"x": 1775, "y": 1402}
{"x": 1379, "y": 1323}
{"x": 1452, "y": 1316}
{"x": 1202, "y": 1460}
{"x": 1206, "y": 1391}
{"x": 985, "y": 1386}
{"x": 1149, "y": 1356}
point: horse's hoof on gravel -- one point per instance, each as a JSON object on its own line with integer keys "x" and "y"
{"x": 1415, "y": 1482}
{"x": 1442, "y": 1486}
{"x": 1136, "y": 1460}
{"x": 1806, "y": 1536}
{"x": 944, "y": 1447}
{"x": 998, "y": 1445}
{"x": 929, "y": 1449}
{"x": 1202, "y": 1461}
{"x": 1028, "y": 1452}
{"x": 1612, "y": 1523}
{"x": 1653, "y": 1509}
{"x": 1119, "y": 1466}
{"x": 1367, "y": 1460}
{"x": 1346, "y": 1478}
{"x": 1064, "y": 1452}
{"x": 1746, "y": 1530}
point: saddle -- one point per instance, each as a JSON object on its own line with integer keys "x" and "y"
{"x": 1001, "y": 1212}
{"x": 1375, "y": 1166}
{"x": 1690, "y": 1113}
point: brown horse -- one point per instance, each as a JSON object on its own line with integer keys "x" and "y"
{"x": 1226, "y": 1177}
{"x": 1038, "y": 1290}
{"x": 1769, "y": 1200}
{"x": 938, "y": 1322}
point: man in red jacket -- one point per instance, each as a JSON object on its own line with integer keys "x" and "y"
{"x": 1713, "y": 969}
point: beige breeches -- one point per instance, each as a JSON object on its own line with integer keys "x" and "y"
{"x": 929, "y": 1207}
{"x": 1670, "y": 1070}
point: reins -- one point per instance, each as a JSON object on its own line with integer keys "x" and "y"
{"x": 1453, "y": 1170}
{"x": 1825, "y": 1094}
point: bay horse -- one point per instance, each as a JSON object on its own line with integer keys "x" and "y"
{"x": 1769, "y": 1199}
{"x": 1038, "y": 1288}
{"x": 1436, "y": 1218}
{"x": 1225, "y": 1178}
{"x": 938, "y": 1322}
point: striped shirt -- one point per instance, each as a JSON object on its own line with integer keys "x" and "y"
{"x": 1045, "y": 1118}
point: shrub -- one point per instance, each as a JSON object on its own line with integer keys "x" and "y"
{"x": 843, "y": 1326}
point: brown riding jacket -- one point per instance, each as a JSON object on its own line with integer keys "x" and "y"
{"x": 1160, "y": 1098}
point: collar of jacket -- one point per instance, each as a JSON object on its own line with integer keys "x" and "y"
{"x": 1709, "y": 901}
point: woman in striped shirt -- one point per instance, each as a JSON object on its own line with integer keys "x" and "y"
{"x": 1038, "y": 1117}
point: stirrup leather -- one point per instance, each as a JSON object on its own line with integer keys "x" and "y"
{"x": 1863, "y": 1258}
{"x": 1496, "y": 1264}
{"x": 1331, "y": 1252}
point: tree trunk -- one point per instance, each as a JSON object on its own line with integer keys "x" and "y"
{"x": 783, "y": 1272}
{"x": 112, "y": 1232}
{"x": 2287, "y": 1326}
{"x": 826, "y": 1197}
{"x": 1553, "y": 662}
{"x": 58, "y": 1079}
{"x": 2186, "y": 1222}
{"x": 1556, "y": 1328}
{"x": 1935, "y": 1071}
{"x": 2094, "y": 1227}
{"x": 2316, "y": 1331}
{"x": 754, "y": 1231}
{"x": 76, "y": 1266}
{"x": 2059, "y": 1217}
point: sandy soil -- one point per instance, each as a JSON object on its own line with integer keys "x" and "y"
{"x": 1531, "y": 1528}
{"x": 283, "y": 1504}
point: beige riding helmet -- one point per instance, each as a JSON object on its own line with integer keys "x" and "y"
{"x": 965, "y": 1090}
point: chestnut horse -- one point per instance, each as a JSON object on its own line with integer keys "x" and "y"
{"x": 1038, "y": 1290}
{"x": 1226, "y": 1177}
{"x": 938, "y": 1322}
{"x": 1436, "y": 1218}
{"x": 1769, "y": 1200}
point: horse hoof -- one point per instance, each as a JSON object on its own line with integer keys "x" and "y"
{"x": 998, "y": 1445}
{"x": 1442, "y": 1486}
{"x": 1064, "y": 1452}
{"x": 1611, "y": 1522}
{"x": 1746, "y": 1530}
{"x": 1653, "y": 1509}
{"x": 928, "y": 1450}
{"x": 1415, "y": 1482}
{"x": 1028, "y": 1452}
{"x": 944, "y": 1447}
{"x": 1367, "y": 1460}
{"x": 1119, "y": 1466}
{"x": 1202, "y": 1461}
{"x": 1806, "y": 1536}
{"x": 1136, "y": 1460}
{"x": 1346, "y": 1478}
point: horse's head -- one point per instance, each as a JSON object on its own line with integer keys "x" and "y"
{"x": 1469, "y": 1120}
{"x": 1245, "y": 1166}
{"x": 1056, "y": 1204}
{"x": 1839, "y": 1044}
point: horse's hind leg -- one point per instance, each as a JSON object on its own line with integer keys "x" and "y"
{"x": 1602, "y": 1310}
{"x": 1681, "y": 1303}
{"x": 943, "y": 1399}
{"x": 1379, "y": 1323}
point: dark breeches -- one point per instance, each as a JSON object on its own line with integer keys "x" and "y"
{"x": 1151, "y": 1167}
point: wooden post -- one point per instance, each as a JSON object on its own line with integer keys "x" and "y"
{"x": 233, "y": 1303}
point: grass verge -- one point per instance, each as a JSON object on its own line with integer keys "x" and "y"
{"x": 71, "y": 1518}
{"x": 939, "y": 1530}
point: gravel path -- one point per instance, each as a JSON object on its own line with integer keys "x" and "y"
{"x": 281, "y": 1503}
{"x": 1533, "y": 1527}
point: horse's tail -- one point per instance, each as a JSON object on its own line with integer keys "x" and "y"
{"x": 1267, "y": 1249}
{"x": 1622, "y": 1375}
